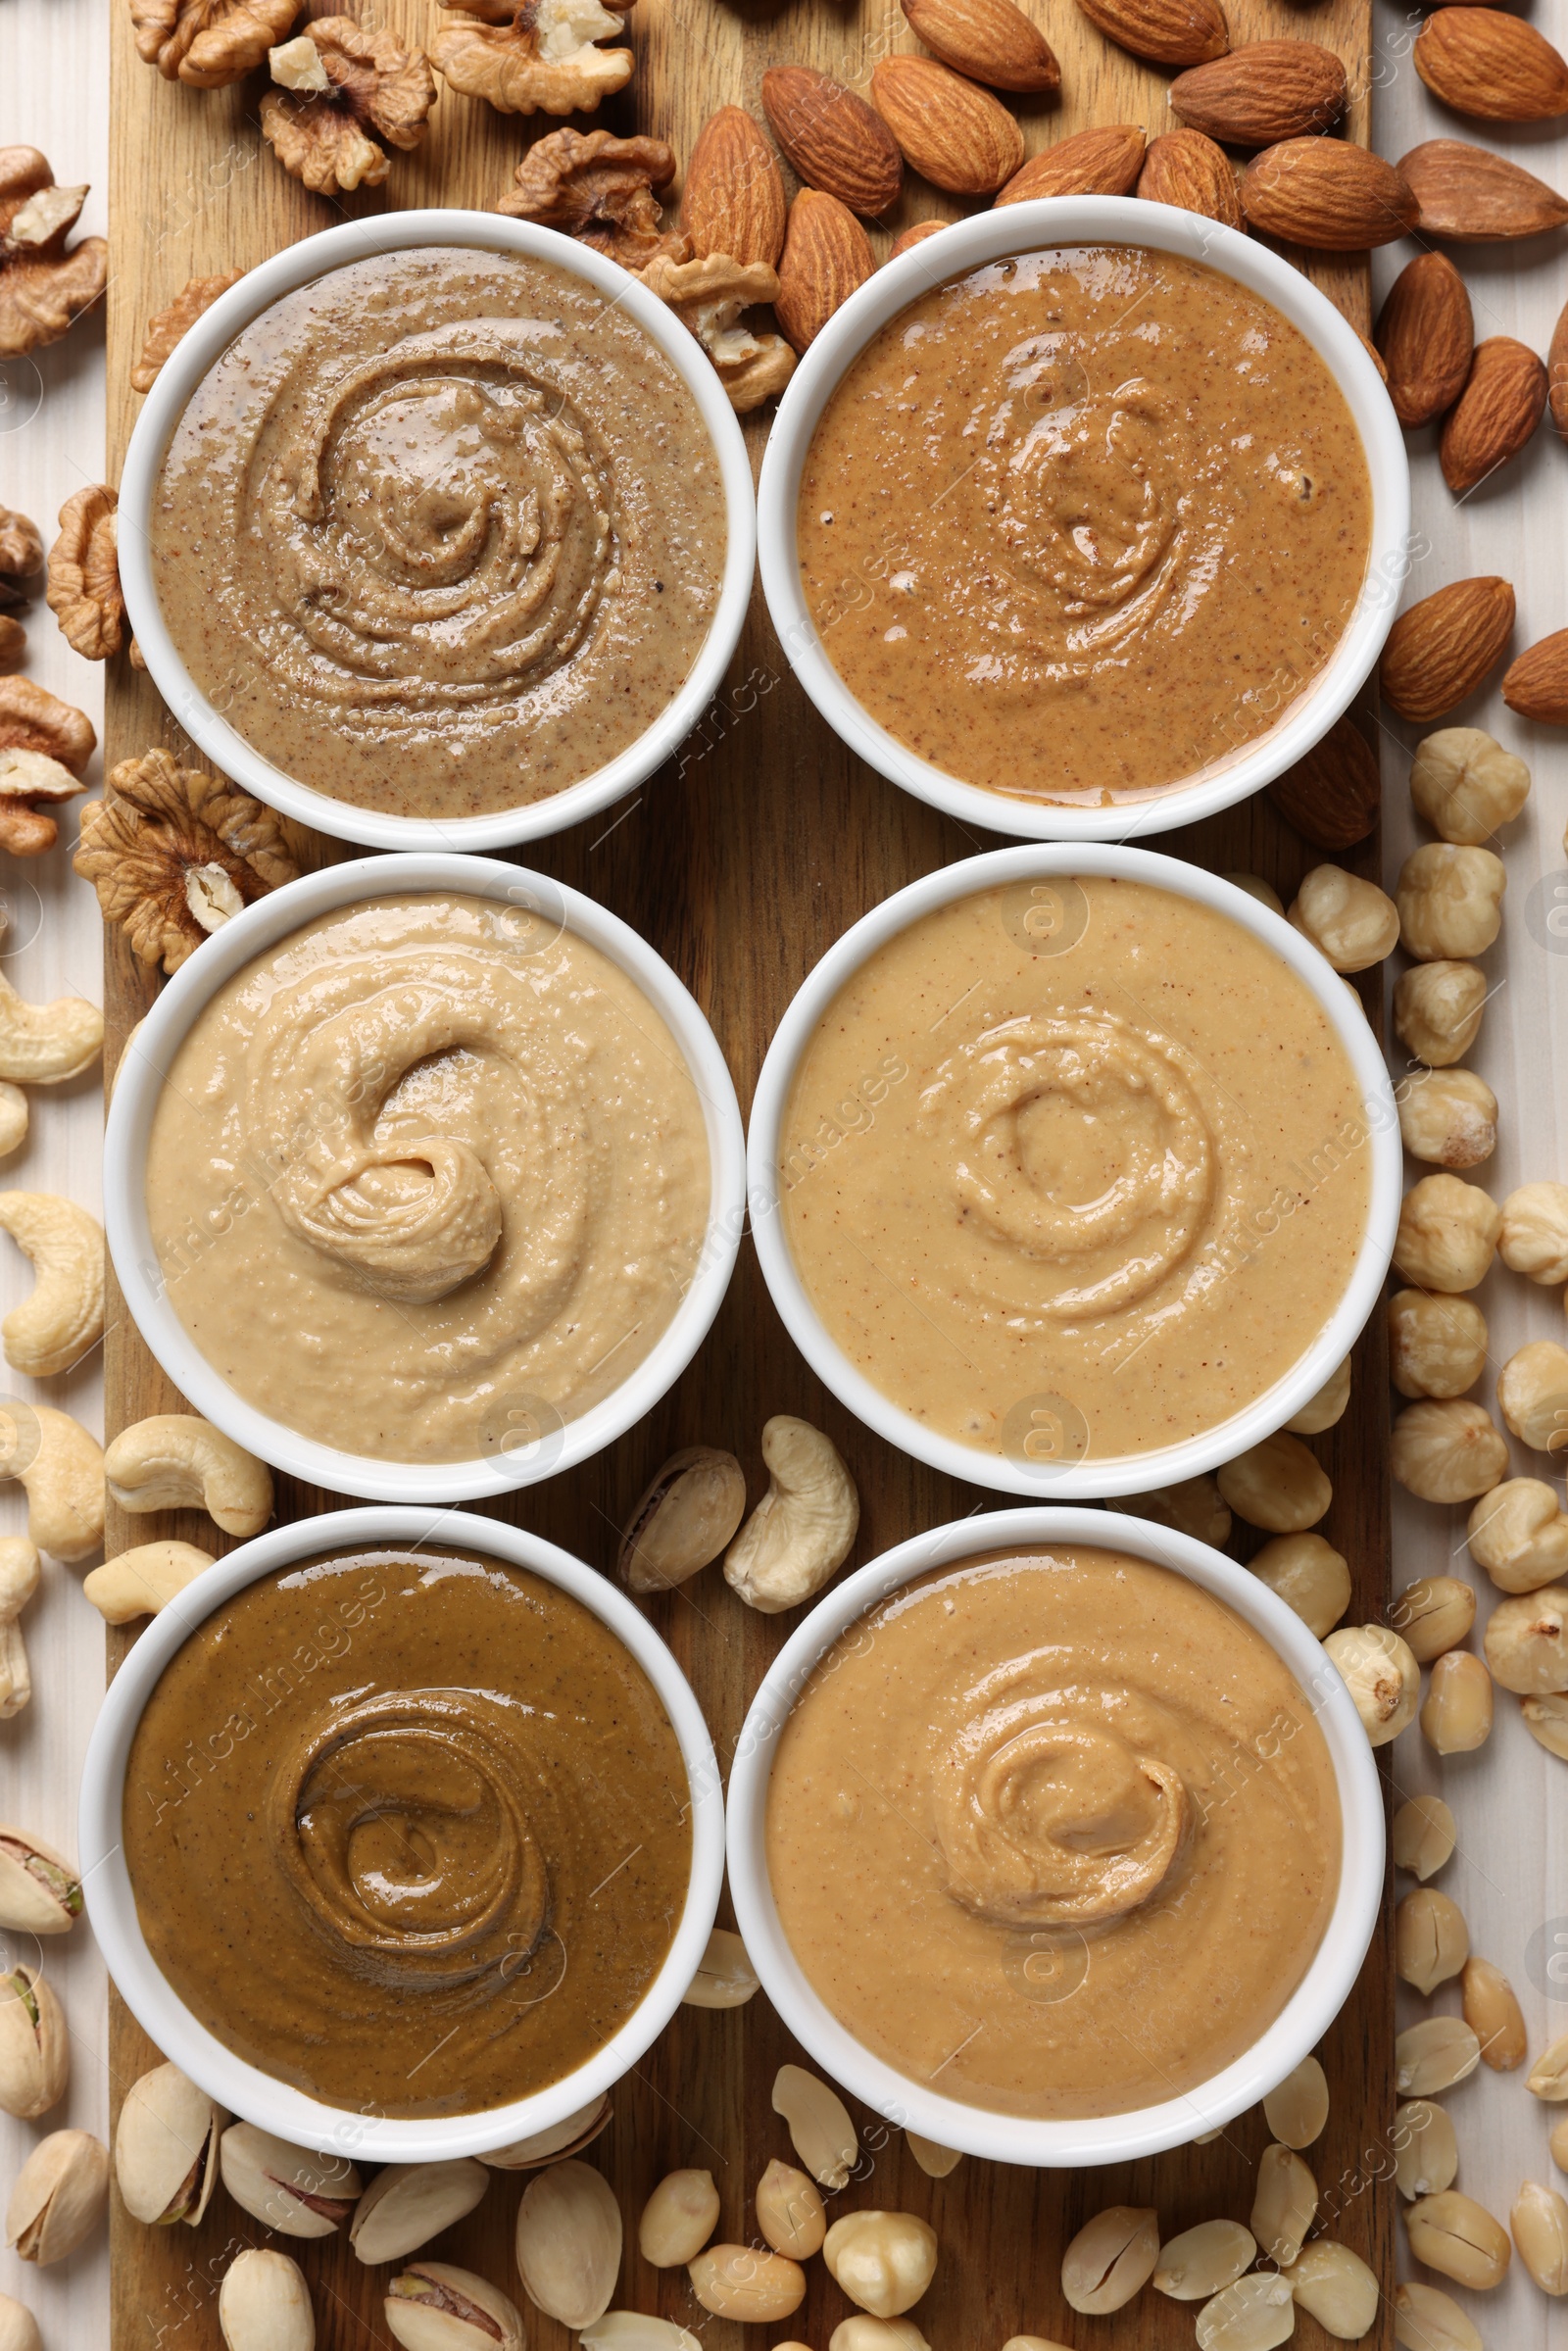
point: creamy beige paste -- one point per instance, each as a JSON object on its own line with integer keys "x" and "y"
{"x": 428, "y": 1179}
{"x": 440, "y": 533}
{"x": 1083, "y": 523}
{"x": 1057, "y": 1833}
{"x": 1076, "y": 1168}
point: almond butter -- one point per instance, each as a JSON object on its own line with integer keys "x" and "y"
{"x": 1327, "y": 193}
{"x": 990, "y": 40}
{"x": 1332, "y": 797}
{"x": 954, "y": 134}
{"x": 1105, "y": 162}
{"x": 1186, "y": 168}
{"x": 826, "y": 256}
{"x": 916, "y": 234}
{"x": 1442, "y": 649}
{"x": 836, "y": 142}
{"x": 1474, "y": 197}
{"x": 1262, "y": 92}
{"x": 733, "y": 199}
{"x": 1168, "y": 33}
{"x": 1536, "y": 685}
{"x": 1557, "y": 373}
{"x": 1426, "y": 333}
{"x": 1484, "y": 62}
{"x": 1504, "y": 400}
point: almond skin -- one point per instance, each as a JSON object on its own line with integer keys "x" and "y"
{"x": 1186, "y": 168}
{"x": 990, "y": 40}
{"x": 1106, "y": 162}
{"x": 733, "y": 199}
{"x": 1168, "y": 33}
{"x": 826, "y": 256}
{"x": 1504, "y": 400}
{"x": 916, "y": 234}
{"x": 1332, "y": 797}
{"x": 836, "y": 142}
{"x": 1329, "y": 194}
{"x": 952, "y": 132}
{"x": 1443, "y": 648}
{"x": 1474, "y": 197}
{"x": 1263, "y": 92}
{"x": 1536, "y": 685}
{"x": 1426, "y": 333}
{"x": 1486, "y": 63}
{"x": 1557, "y": 373}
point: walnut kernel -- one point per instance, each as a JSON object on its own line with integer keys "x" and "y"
{"x": 534, "y": 55}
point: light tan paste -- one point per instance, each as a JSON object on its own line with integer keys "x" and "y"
{"x": 1054, "y": 1834}
{"x": 1076, "y": 1168}
{"x": 1083, "y": 523}
{"x": 428, "y": 1179}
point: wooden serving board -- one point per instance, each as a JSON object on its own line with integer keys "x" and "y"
{"x": 741, "y": 863}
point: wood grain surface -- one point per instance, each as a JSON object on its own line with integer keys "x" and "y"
{"x": 741, "y": 863}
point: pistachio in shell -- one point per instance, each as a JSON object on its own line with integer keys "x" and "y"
{"x": 41, "y": 1893}
{"x": 166, "y": 2148}
{"x": 34, "y": 2045}
{"x": 59, "y": 2197}
{"x": 18, "y": 2328}
{"x": 432, "y": 2307}
{"x": 684, "y": 1520}
{"x": 264, "y": 2304}
{"x": 567, "y": 2243}
{"x": 562, "y": 2138}
{"x": 295, "y": 2192}
{"x": 409, "y": 2203}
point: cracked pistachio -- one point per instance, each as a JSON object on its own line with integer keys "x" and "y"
{"x": 567, "y": 2243}
{"x": 264, "y": 2304}
{"x": 684, "y": 1520}
{"x": 726, "y": 1978}
{"x": 34, "y": 2045}
{"x": 294, "y": 2191}
{"x": 562, "y": 2138}
{"x": 432, "y": 2307}
{"x": 59, "y": 2197}
{"x": 409, "y": 2203}
{"x": 41, "y": 1893}
{"x": 166, "y": 2148}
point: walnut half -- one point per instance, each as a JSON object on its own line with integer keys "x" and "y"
{"x": 602, "y": 190}
{"x": 534, "y": 55}
{"x": 44, "y": 745}
{"x": 44, "y": 288}
{"x": 84, "y": 592}
{"x": 709, "y": 297}
{"x": 337, "y": 84}
{"x": 166, "y": 326}
{"x": 209, "y": 42}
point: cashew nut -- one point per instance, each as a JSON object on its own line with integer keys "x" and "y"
{"x": 19, "y": 1581}
{"x": 60, "y": 1470}
{"x": 140, "y": 1582}
{"x": 65, "y": 1315}
{"x": 801, "y": 1530}
{"x": 13, "y": 1118}
{"x": 45, "y": 1044}
{"x": 179, "y": 1461}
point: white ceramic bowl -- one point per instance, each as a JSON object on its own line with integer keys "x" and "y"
{"x": 1027, "y": 228}
{"x": 977, "y": 2130}
{"x": 1114, "y": 1474}
{"x": 541, "y": 1446}
{"x": 243, "y": 2088}
{"x": 215, "y": 329}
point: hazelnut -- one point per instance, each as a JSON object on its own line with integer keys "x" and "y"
{"x": 1353, "y": 922}
{"x": 1436, "y": 1010}
{"x": 1447, "y": 1234}
{"x": 1535, "y": 1232}
{"x": 882, "y": 2260}
{"x": 1519, "y": 1535}
{"x": 1381, "y": 1676}
{"x": 1466, "y": 785}
{"x": 1277, "y": 1485}
{"x": 1326, "y": 1407}
{"x": 1437, "y": 1346}
{"x": 1256, "y": 887}
{"x": 1195, "y": 1507}
{"x": 1308, "y": 1575}
{"x": 1525, "y": 1642}
{"x": 1433, "y": 1613}
{"x": 1532, "y": 1396}
{"x": 1447, "y": 1117}
{"x": 1457, "y": 1714}
{"x": 1448, "y": 1452}
{"x": 1450, "y": 901}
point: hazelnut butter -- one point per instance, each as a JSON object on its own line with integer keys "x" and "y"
{"x": 407, "y": 1829}
{"x": 1055, "y": 1833}
{"x": 1074, "y": 1168}
{"x": 440, "y": 533}
{"x": 1083, "y": 523}
{"x": 428, "y": 1179}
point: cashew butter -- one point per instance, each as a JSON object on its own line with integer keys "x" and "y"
{"x": 428, "y": 1179}
{"x": 1056, "y": 1833}
{"x": 1075, "y": 1168}
{"x": 1085, "y": 524}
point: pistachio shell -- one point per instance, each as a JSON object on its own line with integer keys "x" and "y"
{"x": 39, "y": 1890}
{"x": 409, "y": 2203}
{"x": 295, "y": 2192}
{"x": 562, "y": 2138}
{"x": 34, "y": 2045}
{"x": 166, "y": 2148}
{"x": 567, "y": 2243}
{"x": 59, "y": 2197}
{"x": 684, "y": 1520}
{"x": 264, "y": 2304}
{"x": 18, "y": 2328}
{"x": 432, "y": 2307}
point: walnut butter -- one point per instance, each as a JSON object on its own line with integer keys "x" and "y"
{"x": 428, "y": 1179}
{"x": 407, "y": 1829}
{"x": 440, "y": 533}
{"x": 1055, "y": 1833}
{"x": 1084, "y": 524}
{"x": 1075, "y": 1168}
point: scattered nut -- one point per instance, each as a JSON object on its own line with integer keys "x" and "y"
{"x": 1450, "y": 901}
{"x": 634, "y": 2330}
{"x": 1195, "y": 1507}
{"x": 1256, "y": 887}
{"x": 882, "y": 2260}
{"x": 736, "y": 2282}
{"x": 1327, "y": 1407}
{"x": 1111, "y": 2258}
{"x": 47, "y": 1044}
{"x": 679, "y": 2219}
{"x": 709, "y": 297}
{"x": 1433, "y": 1613}
{"x": 1519, "y": 1535}
{"x": 1546, "y": 1718}
{"x": 802, "y": 1531}
{"x": 1283, "y": 2203}
{"x": 44, "y": 745}
{"x": 1257, "y": 2312}
{"x": 819, "y": 2125}
{"x": 1492, "y": 2012}
{"x": 861, "y": 2333}
{"x": 1465, "y": 785}
{"x": 1525, "y": 1642}
{"x": 567, "y": 2243}
{"x": 166, "y": 2148}
{"x": 1535, "y": 1233}
{"x": 18, "y": 2328}
{"x": 432, "y": 2307}
{"x": 1298, "y": 2109}
{"x": 935, "y": 2161}
{"x": 208, "y": 42}
{"x": 179, "y": 1461}
{"x": 1353, "y": 922}
{"x": 790, "y": 2212}
{"x": 535, "y": 56}
{"x": 1425, "y": 2319}
{"x": 1381, "y": 1675}
{"x": 1434, "y": 2055}
{"x": 572, "y": 2132}
{"x": 34, "y": 2045}
{"x": 1447, "y": 1234}
{"x": 1447, "y": 1450}
{"x": 264, "y": 2304}
{"x": 1335, "y": 2286}
{"x": 83, "y": 591}
{"x": 295, "y": 2192}
{"x": 1448, "y": 1117}
{"x": 59, "y": 2197}
{"x": 44, "y": 288}
{"x": 725, "y": 1976}
{"x": 1437, "y": 1345}
{"x": 64, "y": 1318}
{"x": 21, "y": 559}
{"x": 1436, "y": 1010}
{"x": 409, "y": 2203}
{"x": 1426, "y": 2150}
{"x": 1423, "y": 1836}
{"x": 1540, "y": 2224}
{"x": 1558, "y": 2143}
{"x": 602, "y": 190}
{"x": 318, "y": 118}
{"x": 166, "y": 326}
{"x": 1533, "y": 1395}
{"x": 1458, "y": 2237}
{"x": 140, "y": 1582}
{"x": 41, "y": 1893}
{"x": 1308, "y": 1575}
{"x": 60, "y": 1470}
{"x": 685, "y": 1518}
{"x": 1277, "y": 1485}
{"x": 1456, "y": 1712}
{"x": 1203, "y": 2261}
{"x": 1431, "y": 1941}
{"x": 1547, "y": 2078}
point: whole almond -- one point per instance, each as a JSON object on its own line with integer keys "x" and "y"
{"x": 916, "y": 234}
{"x": 1168, "y": 33}
{"x": 836, "y": 142}
{"x": 1486, "y": 63}
{"x": 1332, "y": 796}
{"x": 1426, "y": 333}
{"x": 1327, "y": 193}
{"x": 1186, "y": 168}
{"x": 1557, "y": 373}
{"x": 1504, "y": 400}
{"x": 1105, "y": 162}
{"x": 955, "y": 133}
{"x": 1262, "y": 92}
{"x": 990, "y": 40}
{"x": 1536, "y": 685}
{"x": 733, "y": 199}
{"x": 826, "y": 256}
{"x": 1441, "y": 650}
{"x": 1474, "y": 197}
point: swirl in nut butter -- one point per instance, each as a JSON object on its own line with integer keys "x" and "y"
{"x": 440, "y": 533}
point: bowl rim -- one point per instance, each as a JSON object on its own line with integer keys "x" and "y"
{"x": 139, "y": 1079}
{"x": 1043, "y": 223}
{"x": 244, "y": 2089}
{"x": 980, "y": 2131}
{"x": 1116, "y": 1474}
{"x": 313, "y": 257}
